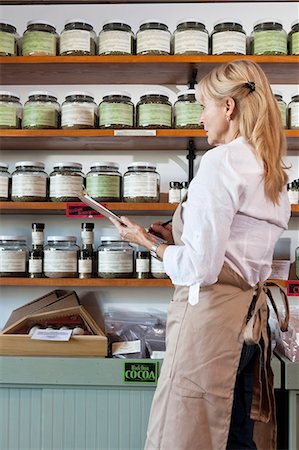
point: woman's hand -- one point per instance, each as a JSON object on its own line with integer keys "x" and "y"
{"x": 165, "y": 232}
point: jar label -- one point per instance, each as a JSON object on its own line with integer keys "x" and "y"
{"x": 228, "y": 41}
{"x": 295, "y": 43}
{"x": 7, "y": 43}
{"x": 12, "y": 261}
{"x": 103, "y": 186}
{"x": 60, "y": 261}
{"x": 283, "y": 112}
{"x": 116, "y": 114}
{"x": 269, "y": 41}
{"x": 39, "y": 115}
{"x": 8, "y": 115}
{"x": 174, "y": 196}
{"x": 4, "y": 187}
{"x": 37, "y": 237}
{"x": 293, "y": 196}
{"x": 65, "y": 185}
{"x": 157, "y": 266}
{"x": 294, "y": 115}
{"x": 115, "y": 41}
{"x": 85, "y": 265}
{"x": 140, "y": 185}
{"x": 115, "y": 262}
{"x": 142, "y": 265}
{"x": 154, "y": 114}
{"x": 35, "y": 266}
{"x": 187, "y": 113}
{"x": 72, "y": 40}
{"x": 87, "y": 237}
{"x": 77, "y": 114}
{"x": 39, "y": 42}
{"x": 25, "y": 184}
{"x": 153, "y": 40}
{"x": 191, "y": 41}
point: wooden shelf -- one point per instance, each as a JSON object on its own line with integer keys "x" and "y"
{"x": 98, "y": 139}
{"x": 134, "y": 69}
{"x": 90, "y": 282}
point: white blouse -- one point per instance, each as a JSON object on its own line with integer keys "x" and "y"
{"x": 227, "y": 218}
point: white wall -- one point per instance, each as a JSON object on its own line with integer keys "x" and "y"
{"x": 171, "y": 165}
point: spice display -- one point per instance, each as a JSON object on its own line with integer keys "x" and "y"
{"x": 10, "y": 110}
{"x": 116, "y": 110}
{"x": 282, "y": 107}
{"x": 153, "y": 38}
{"x": 5, "y": 180}
{"x": 184, "y": 189}
{"x": 36, "y": 254}
{"x": 142, "y": 264}
{"x": 66, "y": 181}
{"x": 268, "y": 38}
{"x": 293, "y": 112}
{"x": 141, "y": 183}
{"x": 174, "y": 193}
{"x": 116, "y": 38}
{"x": 191, "y": 38}
{"x": 61, "y": 257}
{"x": 79, "y": 111}
{"x": 8, "y": 39}
{"x": 154, "y": 110}
{"x": 104, "y": 181}
{"x": 13, "y": 256}
{"x": 157, "y": 268}
{"x": 86, "y": 254}
{"x": 77, "y": 38}
{"x": 115, "y": 258}
{"x": 40, "y": 38}
{"x": 293, "y": 38}
{"x": 29, "y": 182}
{"x": 228, "y": 38}
{"x": 41, "y": 111}
{"x": 187, "y": 110}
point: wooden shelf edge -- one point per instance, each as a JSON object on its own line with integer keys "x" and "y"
{"x": 90, "y": 282}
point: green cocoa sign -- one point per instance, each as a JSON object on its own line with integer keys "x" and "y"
{"x": 140, "y": 373}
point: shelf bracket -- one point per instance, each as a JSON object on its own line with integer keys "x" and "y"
{"x": 193, "y": 81}
{"x": 191, "y": 157}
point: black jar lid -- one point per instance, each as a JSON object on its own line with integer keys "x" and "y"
{"x": 87, "y": 226}
{"x": 185, "y": 184}
{"x": 175, "y": 184}
{"x": 143, "y": 254}
{"x": 38, "y": 226}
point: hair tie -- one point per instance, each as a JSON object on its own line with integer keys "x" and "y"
{"x": 250, "y": 85}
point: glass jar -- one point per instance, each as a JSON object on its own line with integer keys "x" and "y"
{"x": 29, "y": 182}
{"x": 61, "y": 257}
{"x": 142, "y": 264}
{"x": 8, "y": 39}
{"x": 66, "y": 180}
{"x": 184, "y": 189}
{"x": 268, "y": 38}
{"x": 154, "y": 110}
{"x": 116, "y": 110}
{"x": 77, "y": 38}
{"x": 153, "y": 38}
{"x": 141, "y": 183}
{"x": 157, "y": 268}
{"x": 79, "y": 111}
{"x": 41, "y": 111}
{"x": 228, "y": 38}
{"x": 116, "y": 38}
{"x": 293, "y": 38}
{"x": 10, "y": 110}
{"x": 13, "y": 256}
{"x": 5, "y": 180}
{"x": 191, "y": 38}
{"x": 174, "y": 193}
{"x": 36, "y": 254}
{"x": 115, "y": 258}
{"x": 187, "y": 110}
{"x": 103, "y": 182}
{"x": 282, "y": 107}
{"x": 40, "y": 38}
{"x": 293, "y": 112}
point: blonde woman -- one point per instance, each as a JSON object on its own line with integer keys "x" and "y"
{"x": 215, "y": 391}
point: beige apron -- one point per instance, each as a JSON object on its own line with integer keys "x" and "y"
{"x": 191, "y": 409}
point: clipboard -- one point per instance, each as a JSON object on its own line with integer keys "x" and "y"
{"x": 84, "y": 197}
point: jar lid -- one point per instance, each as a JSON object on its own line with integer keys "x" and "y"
{"x": 106, "y": 22}
{"x": 155, "y": 92}
{"x": 77, "y": 21}
{"x": 187, "y": 92}
{"x": 68, "y": 164}
{"x": 228, "y": 20}
{"x": 189, "y": 19}
{"x": 143, "y": 22}
{"x": 105, "y": 164}
{"x": 185, "y": 184}
{"x": 267, "y": 20}
{"x": 143, "y": 164}
{"x": 122, "y": 93}
{"x": 47, "y": 93}
{"x": 110, "y": 238}
{"x": 3, "y": 165}
{"x": 296, "y": 22}
{"x": 30, "y": 163}
{"x": 9, "y": 93}
{"x": 175, "y": 184}
{"x": 294, "y": 94}
{"x": 6, "y": 22}
{"x": 40, "y": 22}
{"x": 39, "y": 226}
{"x": 277, "y": 92}
{"x": 62, "y": 238}
{"x": 86, "y": 94}
{"x": 87, "y": 226}
{"x": 12, "y": 238}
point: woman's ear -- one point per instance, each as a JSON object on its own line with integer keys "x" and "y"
{"x": 230, "y": 106}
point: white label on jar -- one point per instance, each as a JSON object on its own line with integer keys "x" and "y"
{"x": 73, "y": 40}
{"x": 115, "y": 262}
{"x": 7, "y": 43}
{"x": 60, "y": 261}
{"x": 191, "y": 41}
{"x": 140, "y": 185}
{"x": 115, "y": 41}
{"x": 157, "y": 266}
{"x": 85, "y": 265}
{"x": 154, "y": 114}
{"x": 87, "y": 237}
{"x": 142, "y": 265}
{"x": 294, "y": 115}
{"x": 228, "y": 41}
{"x": 77, "y": 114}
{"x": 153, "y": 40}
{"x": 65, "y": 186}
{"x": 4, "y": 187}
{"x": 8, "y": 115}
{"x": 120, "y": 348}
{"x": 37, "y": 237}
{"x": 25, "y": 184}
{"x": 12, "y": 261}
{"x": 293, "y": 195}
{"x": 174, "y": 195}
{"x": 35, "y": 266}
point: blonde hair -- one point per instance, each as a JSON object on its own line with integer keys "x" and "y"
{"x": 258, "y": 115}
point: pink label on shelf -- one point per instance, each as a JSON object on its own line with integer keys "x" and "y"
{"x": 78, "y": 210}
{"x": 293, "y": 288}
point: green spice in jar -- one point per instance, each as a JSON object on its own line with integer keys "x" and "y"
{"x": 115, "y": 258}
{"x": 187, "y": 110}
{"x": 8, "y": 39}
{"x": 29, "y": 182}
{"x": 103, "y": 182}
{"x": 282, "y": 107}
{"x": 268, "y": 38}
{"x": 191, "y": 38}
{"x": 116, "y": 110}
{"x": 154, "y": 110}
{"x": 13, "y": 256}
{"x": 228, "y": 38}
{"x": 77, "y": 38}
{"x": 61, "y": 257}
{"x": 79, "y": 111}
{"x": 141, "y": 183}
{"x": 293, "y": 38}
{"x": 66, "y": 181}
{"x": 116, "y": 38}
{"x": 153, "y": 38}
{"x": 5, "y": 181}
{"x": 41, "y": 111}
{"x": 40, "y": 38}
{"x": 10, "y": 110}
{"x": 293, "y": 112}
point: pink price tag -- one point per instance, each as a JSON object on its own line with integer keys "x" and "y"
{"x": 78, "y": 210}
